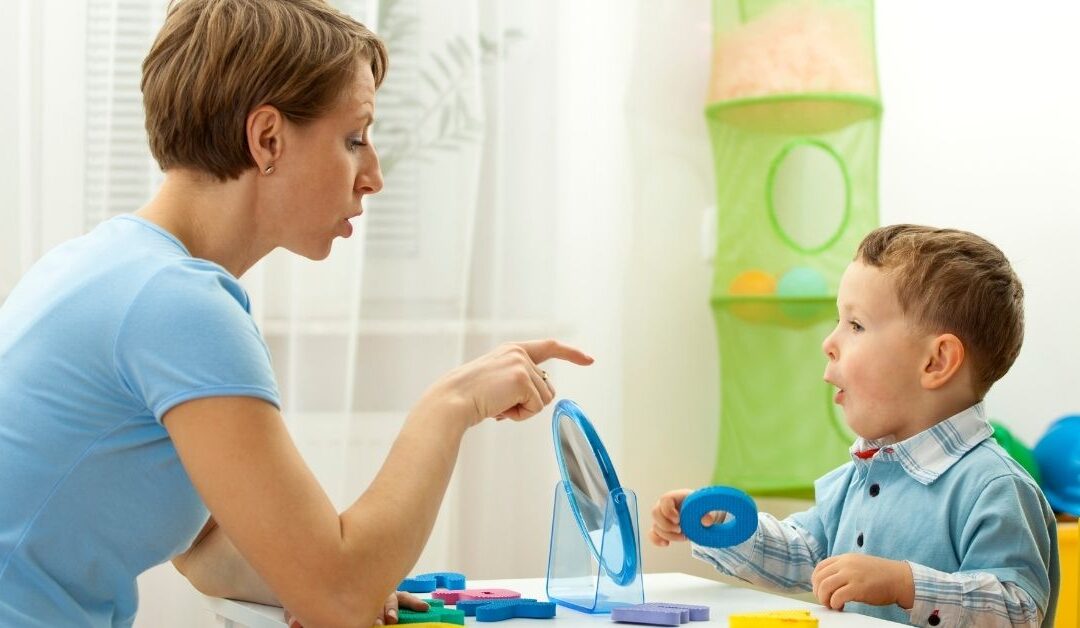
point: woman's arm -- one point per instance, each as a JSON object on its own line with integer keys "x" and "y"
{"x": 332, "y": 569}
{"x": 215, "y": 567}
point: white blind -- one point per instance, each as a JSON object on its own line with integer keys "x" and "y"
{"x": 120, "y": 174}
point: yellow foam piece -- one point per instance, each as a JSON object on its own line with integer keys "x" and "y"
{"x": 1068, "y": 605}
{"x": 431, "y": 624}
{"x": 773, "y": 619}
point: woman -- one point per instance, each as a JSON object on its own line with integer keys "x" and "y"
{"x": 139, "y": 417}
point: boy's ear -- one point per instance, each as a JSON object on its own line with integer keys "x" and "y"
{"x": 945, "y": 358}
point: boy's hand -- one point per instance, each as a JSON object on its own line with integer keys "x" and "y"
{"x": 665, "y": 514}
{"x": 861, "y": 578}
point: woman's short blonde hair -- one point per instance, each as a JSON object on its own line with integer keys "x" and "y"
{"x": 214, "y": 61}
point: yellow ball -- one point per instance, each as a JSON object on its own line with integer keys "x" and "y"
{"x": 753, "y": 283}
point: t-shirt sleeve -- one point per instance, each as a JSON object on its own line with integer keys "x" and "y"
{"x": 188, "y": 334}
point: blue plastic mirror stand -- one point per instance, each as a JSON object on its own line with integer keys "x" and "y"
{"x": 575, "y": 579}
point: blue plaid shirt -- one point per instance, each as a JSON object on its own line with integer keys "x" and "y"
{"x": 978, "y": 534}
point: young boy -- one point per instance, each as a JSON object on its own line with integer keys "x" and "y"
{"x": 931, "y": 523}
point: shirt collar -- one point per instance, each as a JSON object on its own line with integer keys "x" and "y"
{"x": 930, "y": 453}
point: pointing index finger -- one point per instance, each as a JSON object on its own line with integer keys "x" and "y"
{"x": 543, "y": 350}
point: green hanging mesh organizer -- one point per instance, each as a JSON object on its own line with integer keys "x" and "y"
{"x": 794, "y": 117}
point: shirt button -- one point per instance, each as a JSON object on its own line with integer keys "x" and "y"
{"x": 874, "y": 490}
{"x": 859, "y": 540}
{"x": 933, "y": 620}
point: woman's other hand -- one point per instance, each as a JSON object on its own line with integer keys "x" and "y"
{"x": 396, "y": 600}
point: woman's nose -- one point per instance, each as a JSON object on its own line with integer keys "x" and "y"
{"x": 369, "y": 180}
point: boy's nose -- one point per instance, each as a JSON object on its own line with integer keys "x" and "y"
{"x": 828, "y": 347}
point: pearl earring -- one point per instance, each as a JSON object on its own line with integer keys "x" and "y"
{"x": 269, "y": 170}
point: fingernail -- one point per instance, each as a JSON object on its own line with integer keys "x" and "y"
{"x": 392, "y": 612}
{"x": 378, "y": 622}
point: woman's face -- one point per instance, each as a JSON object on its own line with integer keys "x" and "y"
{"x": 325, "y": 169}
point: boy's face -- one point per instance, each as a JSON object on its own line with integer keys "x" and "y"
{"x": 875, "y": 357}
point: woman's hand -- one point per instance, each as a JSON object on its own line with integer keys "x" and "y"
{"x": 397, "y": 600}
{"x": 506, "y": 382}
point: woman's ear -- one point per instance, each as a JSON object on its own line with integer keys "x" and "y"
{"x": 943, "y": 362}
{"x": 265, "y": 137}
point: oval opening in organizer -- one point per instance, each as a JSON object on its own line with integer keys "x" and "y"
{"x": 808, "y": 195}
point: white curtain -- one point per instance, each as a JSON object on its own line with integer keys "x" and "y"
{"x": 499, "y": 138}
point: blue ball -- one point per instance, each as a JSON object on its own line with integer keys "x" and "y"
{"x": 1058, "y": 456}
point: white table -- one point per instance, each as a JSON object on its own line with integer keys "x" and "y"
{"x": 722, "y": 599}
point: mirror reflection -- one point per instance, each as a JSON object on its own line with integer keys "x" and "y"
{"x": 584, "y": 473}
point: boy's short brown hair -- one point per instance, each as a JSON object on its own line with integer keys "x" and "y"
{"x": 214, "y": 61}
{"x": 957, "y": 282}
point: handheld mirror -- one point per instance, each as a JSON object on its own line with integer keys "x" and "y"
{"x": 592, "y": 489}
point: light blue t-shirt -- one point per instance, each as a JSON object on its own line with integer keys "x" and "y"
{"x": 102, "y": 337}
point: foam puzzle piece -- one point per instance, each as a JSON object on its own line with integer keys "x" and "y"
{"x": 433, "y": 624}
{"x": 428, "y": 582}
{"x": 418, "y": 584}
{"x": 437, "y": 613}
{"x": 470, "y": 606}
{"x": 640, "y": 614}
{"x": 501, "y": 610}
{"x": 773, "y": 619}
{"x": 451, "y": 580}
{"x": 696, "y": 612}
{"x": 489, "y": 594}
{"x": 684, "y": 613}
{"x": 447, "y": 596}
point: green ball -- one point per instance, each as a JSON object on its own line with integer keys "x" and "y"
{"x": 798, "y": 283}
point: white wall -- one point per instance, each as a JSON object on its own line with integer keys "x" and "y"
{"x": 980, "y": 132}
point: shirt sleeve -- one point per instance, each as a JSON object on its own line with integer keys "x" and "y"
{"x": 779, "y": 555}
{"x": 1007, "y": 545}
{"x": 188, "y": 334}
{"x": 970, "y": 599}
{"x": 783, "y": 554}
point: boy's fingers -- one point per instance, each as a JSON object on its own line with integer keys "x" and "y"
{"x": 668, "y": 535}
{"x": 842, "y": 596}
{"x": 671, "y": 509}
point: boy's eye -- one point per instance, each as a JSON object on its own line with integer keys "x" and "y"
{"x": 855, "y": 326}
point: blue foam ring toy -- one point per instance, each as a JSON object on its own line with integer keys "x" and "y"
{"x": 725, "y": 534}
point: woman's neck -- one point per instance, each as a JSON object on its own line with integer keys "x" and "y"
{"x": 216, "y": 221}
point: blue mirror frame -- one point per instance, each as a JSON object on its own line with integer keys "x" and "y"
{"x": 621, "y": 574}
